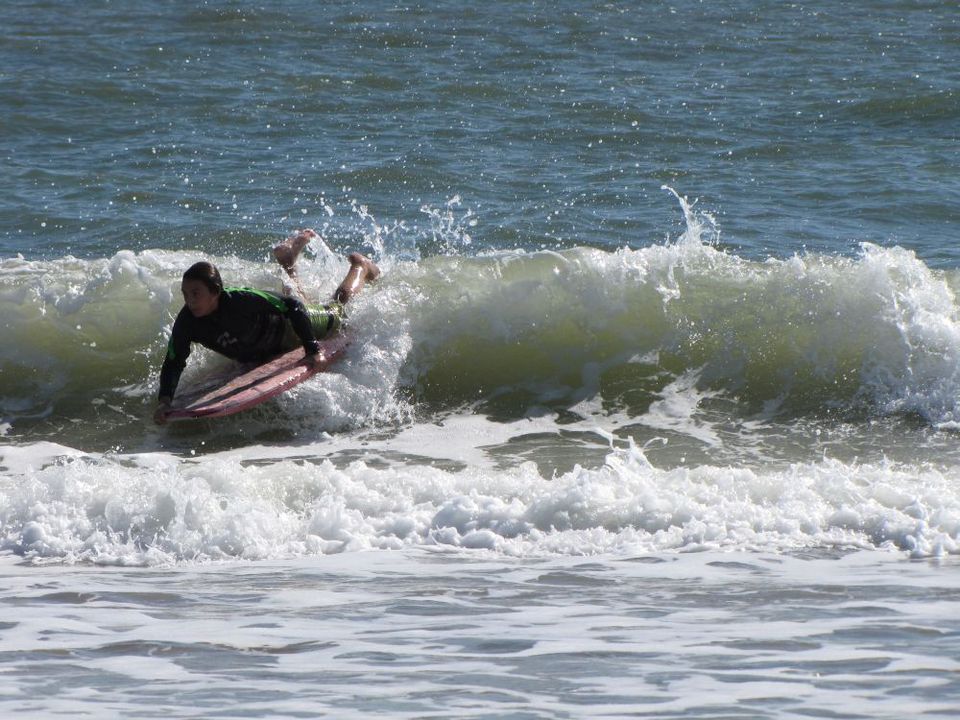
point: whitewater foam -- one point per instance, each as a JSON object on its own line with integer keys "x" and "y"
{"x": 877, "y": 333}
{"x": 158, "y": 509}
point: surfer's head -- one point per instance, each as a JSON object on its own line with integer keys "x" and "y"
{"x": 201, "y": 288}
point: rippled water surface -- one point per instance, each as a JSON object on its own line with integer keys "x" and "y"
{"x": 653, "y": 412}
{"x": 430, "y": 634}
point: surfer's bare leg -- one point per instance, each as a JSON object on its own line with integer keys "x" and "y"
{"x": 288, "y": 251}
{"x": 362, "y": 270}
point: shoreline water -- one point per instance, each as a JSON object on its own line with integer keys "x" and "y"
{"x": 413, "y": 633}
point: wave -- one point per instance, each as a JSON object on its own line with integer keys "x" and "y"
{"x": 877, "y": 333}
{"x": 155, "y": 509}
{"x": 940, "y": 108}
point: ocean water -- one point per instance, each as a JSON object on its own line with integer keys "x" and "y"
{"x": 653, "y": 413}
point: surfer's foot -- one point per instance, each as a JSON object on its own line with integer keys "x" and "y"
{"x": 289, "y": 250}
{"x": 372, "y": 271}
{"x": 362, "y": 270}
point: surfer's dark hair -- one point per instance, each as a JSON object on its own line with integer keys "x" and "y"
{"x": 206, "y": 273}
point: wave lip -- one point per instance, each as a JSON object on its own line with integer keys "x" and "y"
{"x": 868, "y": 335}
{"x": 874, "y": 334}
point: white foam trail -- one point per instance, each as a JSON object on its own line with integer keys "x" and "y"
{"x": 154, "y": 509}
{"x": 677, "y": 410}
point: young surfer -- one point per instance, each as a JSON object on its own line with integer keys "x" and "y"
{"x": 253, "y": 325}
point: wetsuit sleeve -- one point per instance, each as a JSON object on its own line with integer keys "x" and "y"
{"x": 178, "y": 350}
{"x": 300, "y": 322}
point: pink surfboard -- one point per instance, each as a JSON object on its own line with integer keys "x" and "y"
{"x": 243, "y": 387}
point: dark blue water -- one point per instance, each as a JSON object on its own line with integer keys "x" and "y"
{"x": 170, "y": 125}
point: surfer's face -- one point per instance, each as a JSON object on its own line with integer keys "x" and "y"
{"x": 198, "y": 298}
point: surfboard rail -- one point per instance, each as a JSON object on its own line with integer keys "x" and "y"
{"x": 243, "y": 387}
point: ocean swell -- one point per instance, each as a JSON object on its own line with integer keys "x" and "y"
{"x": 874, "y": 334}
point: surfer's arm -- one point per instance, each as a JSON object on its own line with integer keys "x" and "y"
{"x": 169, "y": 377}
{"x": 175, "y": 360}
{"x": 160, "y": 414}
{"x": 300, "y": 322}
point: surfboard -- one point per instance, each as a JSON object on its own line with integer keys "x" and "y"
{"x": 244, "y": 386}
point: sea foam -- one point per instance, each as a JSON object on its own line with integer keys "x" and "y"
{"x": 876, "y": 333}
{"x": 158, "y": 509}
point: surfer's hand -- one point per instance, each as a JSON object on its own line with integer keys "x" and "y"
{"x": 313, "y": 361}
{"x": 160, "y": 414}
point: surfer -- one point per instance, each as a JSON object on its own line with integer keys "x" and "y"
{"x": 254, "y": 325}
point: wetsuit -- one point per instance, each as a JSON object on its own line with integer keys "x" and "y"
{"x": 249, "y": 326}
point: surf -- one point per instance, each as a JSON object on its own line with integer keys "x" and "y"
{"x": 65, "y": 506}
{"x": 872, "y": 334}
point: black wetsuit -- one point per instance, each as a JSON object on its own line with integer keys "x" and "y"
{"x": 248, "y": 325}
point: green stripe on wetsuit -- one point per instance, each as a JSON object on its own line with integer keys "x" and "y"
{"x": 324, "y": 320}
{"x": 271, "y": 298}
